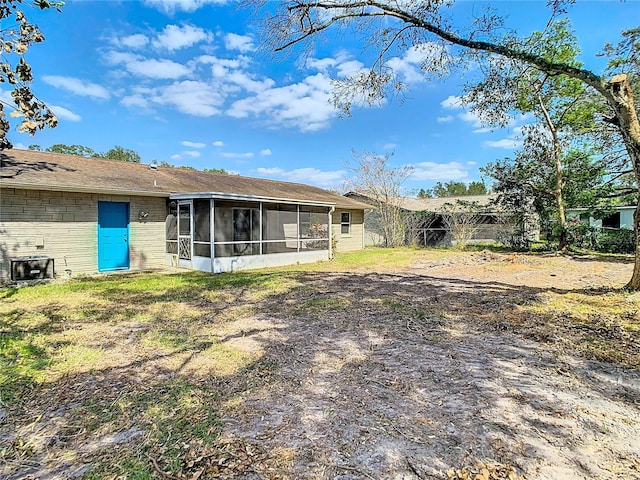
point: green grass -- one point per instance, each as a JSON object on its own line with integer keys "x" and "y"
{"x": 163, "y": 353}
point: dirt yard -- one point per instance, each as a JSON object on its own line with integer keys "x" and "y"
{"x": 446, "y": 369}
{"x": 366, "y": 397}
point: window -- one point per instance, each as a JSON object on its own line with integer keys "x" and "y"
{"x": 202, "y": 230}
{"x": 248, "y": 228}
{"x": 314, "y": 229}
{"x": 612, "y": 221}
{"x": 171, "y": 225}
{"x": 345, "y": 223}
{"x": 279, "y": 228}
{"x": 305, "y": 224}
{"x": 236, "y": 229}
{"x": 246, "y": 224}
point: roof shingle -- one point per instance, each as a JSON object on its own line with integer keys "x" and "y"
{"x": 52, "y": 171}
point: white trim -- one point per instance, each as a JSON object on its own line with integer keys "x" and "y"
{"x": 248, "y": 198}
{"x": 231, "y": 264}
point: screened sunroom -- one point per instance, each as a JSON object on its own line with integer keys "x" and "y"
{"x": 222, "y": 233}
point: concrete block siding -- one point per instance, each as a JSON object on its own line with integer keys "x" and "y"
{"x": 63, "y": 225}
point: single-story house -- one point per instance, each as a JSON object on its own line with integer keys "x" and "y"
{"x": 426, "y": 222}
{"x": 78, "y": 215}
{"x": 620, "y": 218}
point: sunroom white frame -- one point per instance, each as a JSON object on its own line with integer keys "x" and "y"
{"x": 217, "y": 264}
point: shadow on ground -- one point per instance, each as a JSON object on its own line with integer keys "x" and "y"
{"x": 333, "y": 375}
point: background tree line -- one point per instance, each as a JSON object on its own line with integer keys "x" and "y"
{"x": 454, "y": 189}
{"x": 116, "y": 153}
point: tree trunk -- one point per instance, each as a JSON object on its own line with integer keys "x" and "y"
{"x": 563, "y": 242}
{"x": 557, "y": 162}
{"x": 630, "y": 127}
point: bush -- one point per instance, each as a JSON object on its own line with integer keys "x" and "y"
{"x": 581, "y": 235}
{"x": 599, "y": 240}
{"x": 615, "y": 241}
{"x": 516, "y": 235}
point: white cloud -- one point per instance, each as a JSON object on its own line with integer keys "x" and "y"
{"x": 304, "y": 175}
{"x": 135, "y": 41}
{"x": 225, "y": 63}
{"x": 232, "y": 76}
{"x": 389, "y": 146}
{"x": 158, "y": 68}
{"x": 341, "y": 66}
{"x": 191, "y": 97}
{"x": 236, "y": 155}
{"x": 445, "y": 119}
{"x": 64, "y": 114}
{"x": 171, "y": 6}
{"x": 506, "y": 143}
{"x": 175, "y": 157}
{"x": 439, "y": 171}
{"x": 452, "y": 102}
{"x": 349, "y": 68}
{"x": 265, "y": 152}
{"x": 270, "y": 171}
{"x": 192, "y": 153}
{"x": 304, "y": 105}
{"x": 150, "y": 68}
{"x": 244, "y": 81}
{"x": 321, "y": 64}
{"x": 474, "y": 119}
{"x": 77, "y": 86}
{"x": 113, "y": 57}
{"x": 135, "y": 101}
{"x": 425, "y": 56}
{"x": 189, "y": 144}
{"x": 218, "y": 143}
{"x": 174, "y": 37}
{"x": 242, "y": 43}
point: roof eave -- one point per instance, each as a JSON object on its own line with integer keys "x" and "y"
{"x": 248, "y": 198}
{"x": 67, "y": 188}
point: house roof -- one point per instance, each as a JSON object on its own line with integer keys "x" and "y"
{"x": 437, "y": 204}
{"x": 431, "y": 204}
{"x": 51, "y": 171}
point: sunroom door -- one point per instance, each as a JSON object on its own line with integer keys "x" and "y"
{"x": 185, "y": 227}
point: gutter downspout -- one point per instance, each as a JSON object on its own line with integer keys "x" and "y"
{"x": 331, "y": 210}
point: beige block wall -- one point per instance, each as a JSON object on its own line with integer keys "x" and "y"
{"x": 355, "y": 239}
{"x": 63, "y": 225}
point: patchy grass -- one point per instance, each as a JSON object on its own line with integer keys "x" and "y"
{"x": 158, "y": 355}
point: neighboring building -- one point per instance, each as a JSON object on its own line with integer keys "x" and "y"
{"x": 88, "y": 215}
{"x": 621, "y": 218}
{"x": 426, "y": 225}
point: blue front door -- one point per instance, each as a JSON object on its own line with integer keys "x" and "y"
{"x": 113, "y": 236}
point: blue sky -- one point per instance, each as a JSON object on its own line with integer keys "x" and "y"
{"x": 186, "y": 82}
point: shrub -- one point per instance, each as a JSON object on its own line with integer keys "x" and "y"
{"x": 597, "y": 239}
{"x": 615, "y": 241}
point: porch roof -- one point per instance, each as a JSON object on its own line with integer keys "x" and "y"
{"x": 249, "y": 198}
{"x": 50, "y": 171}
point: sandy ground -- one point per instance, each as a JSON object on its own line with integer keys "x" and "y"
{"x": 360, "y": 396}
{"x": 413, "y": 394}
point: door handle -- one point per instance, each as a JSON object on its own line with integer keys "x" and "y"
{"x": 125, "y": 240}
